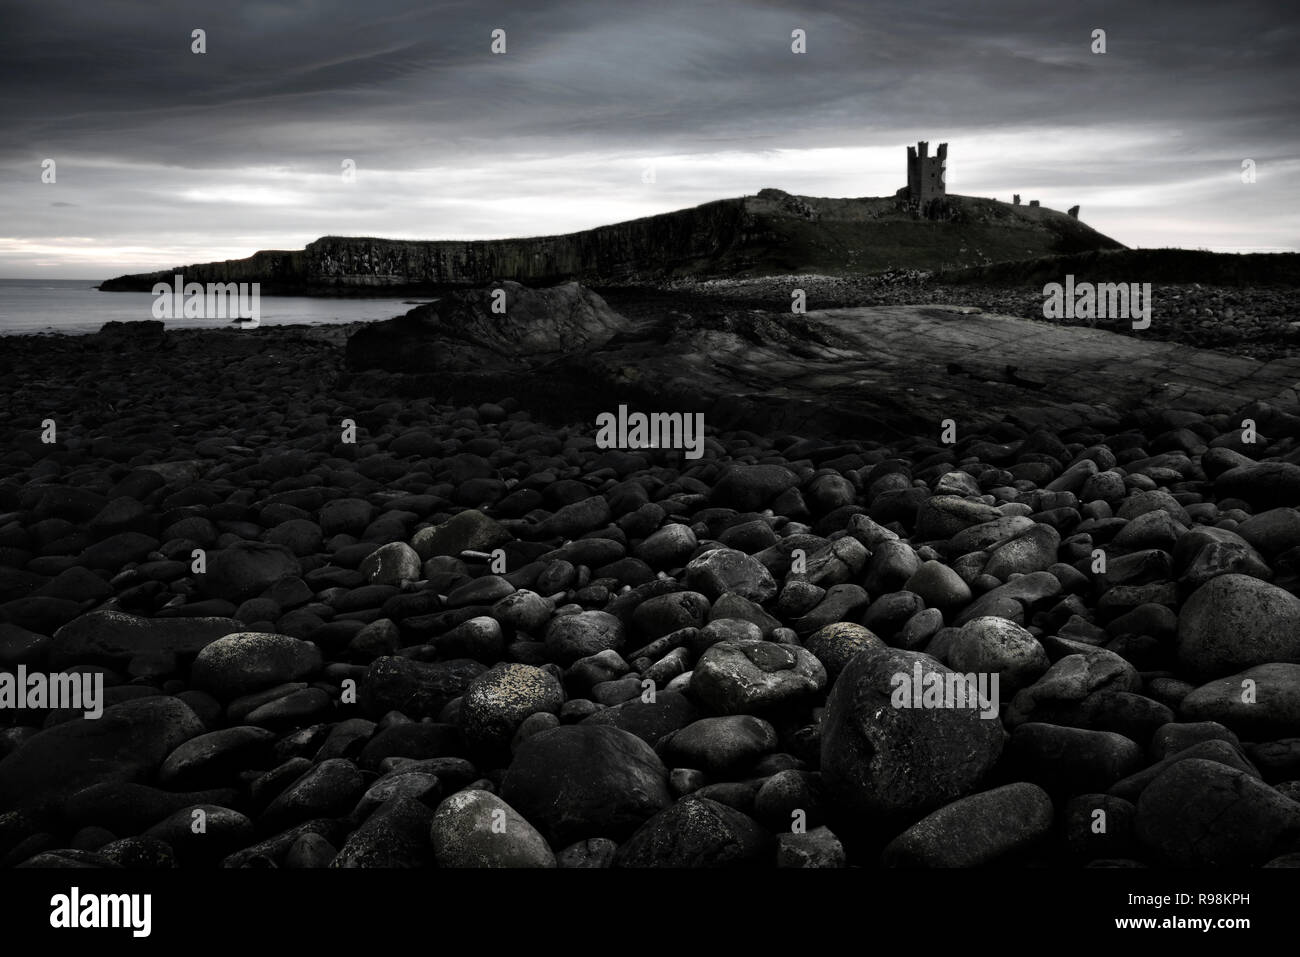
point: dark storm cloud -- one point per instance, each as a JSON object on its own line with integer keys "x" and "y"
{"x": 180, "y": 157}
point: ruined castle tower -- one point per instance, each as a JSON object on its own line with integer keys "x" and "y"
{"x": 925, "y": 174}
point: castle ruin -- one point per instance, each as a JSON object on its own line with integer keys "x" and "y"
{"x": 926, "y": 192}
{"x": 925, "y": 174}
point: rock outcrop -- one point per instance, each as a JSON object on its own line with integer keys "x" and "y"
{"x": 772, "y": 232}
{"x": 867, "y": 369}
{"x": 468, "y": 330}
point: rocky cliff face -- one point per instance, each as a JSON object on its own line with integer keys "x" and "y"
{"x": 773, "y": 232}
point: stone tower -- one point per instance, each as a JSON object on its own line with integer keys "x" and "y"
{"x": 925, "y": 173}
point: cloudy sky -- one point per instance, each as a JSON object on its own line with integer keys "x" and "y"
{"x": 604, "y": 111}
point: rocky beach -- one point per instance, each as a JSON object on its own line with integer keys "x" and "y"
{"x": 374, "y": 596}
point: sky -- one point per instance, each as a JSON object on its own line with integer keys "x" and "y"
{"x": 389, "y": 118}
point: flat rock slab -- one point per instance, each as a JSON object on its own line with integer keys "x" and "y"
{"x": 877, "y": 369}
{"x": 937, "y": 361}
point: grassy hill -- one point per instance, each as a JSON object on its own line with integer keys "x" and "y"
{"x": 771, "y": 233}
{"x": 845, "y": 237}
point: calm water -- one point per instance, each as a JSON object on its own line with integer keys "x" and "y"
{"x": 75, "y": 306}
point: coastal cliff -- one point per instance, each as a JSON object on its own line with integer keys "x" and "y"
{"x": 771, "y": 233}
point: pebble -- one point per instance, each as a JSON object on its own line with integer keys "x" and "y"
{"x": 127, "y": 743}
{"x": 836, "y": 644}
{"x": 1235, "y": 621}
{"x": 751, "y": 487}
{"x": 725, "y": 746}
{"x": 474, "y": 828}
{"x": 596, "y": 852}
{"x": 496, "y": 703}
{"x": 571, "y": 637}
{"x": 881, "y": 759}
{"x": 393, "y": 836}
{"x": 696, "y": 832}
{"x": 391, "y": 564}
{"x": 678, "y": 659}
{"x": 245, "y": 662}
{"x": 582, "y": 781}
{"x": 815, "y": 848}
{"x": 649, "y": 720}
{"x": 723, "y": 570}
{"x": 976, "y": 831}
{"x": 754, "y": 676}
{"x": 939, "y": 587}
{"x": 1262, "y": 703}
{"x": 246, "y": 569}
{"x": 329, "y": 789}
{"x": 995, "y": 645}
{"x": 418, "y": 689}
{"x": 114, "y": 638}
{"x": 1073, "y": 760}
{"x": 1201, "y": 813}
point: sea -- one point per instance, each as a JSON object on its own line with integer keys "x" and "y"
{"x": 76, "y": 307}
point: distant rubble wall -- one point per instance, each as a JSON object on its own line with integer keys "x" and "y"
{"x": 1147, "y": 265}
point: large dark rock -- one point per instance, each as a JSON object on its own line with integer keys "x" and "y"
{"x": 114, "y": 637}
{"x": 499, "y": 700}
{"x": 648, "y": 720}
{"x": 418, "y": 689}
{"x": 470, "y": 529}
{"x": 1236, "y": 621}
{"x": 462, "y": 331}
{"x": 1205, "y": 814}
{"x": 1262, "y": 484}
{"x": 245, "y": 662}
{"x": 246, "y": 569}
{"x": 570, "y": 637}
{"x": 329, "y": 789}
{"x": 127, "y": 743}
{"x": 394, "y": 835}
{"x": 129, "y": 808}
{"x": 748, "y": 488}
{"x": 475, "y": 828}
{"x": 976, "y": 830}
{"x": 582, "y": 781}
{"x": 696, "y": 832}
{"x": 723, "y": 746}
{"x": 880, "y": 759}
{"x": 214, "y": 758}
{"x": 752, "y": 676}
{"x": 1073, "y": 760}
{"x": 1261, "y": 703}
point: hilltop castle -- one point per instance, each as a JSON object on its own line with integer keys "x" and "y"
{"x": 925, "y": 173}
{"x": 926, "y": 191}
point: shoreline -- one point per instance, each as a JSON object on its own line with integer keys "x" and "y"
{"x": 404, "y": 599}
{"x": 52, "y": 333}
{"x": 1257, "y": 323}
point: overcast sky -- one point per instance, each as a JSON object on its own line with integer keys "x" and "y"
{"x": 165, "y": 157}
